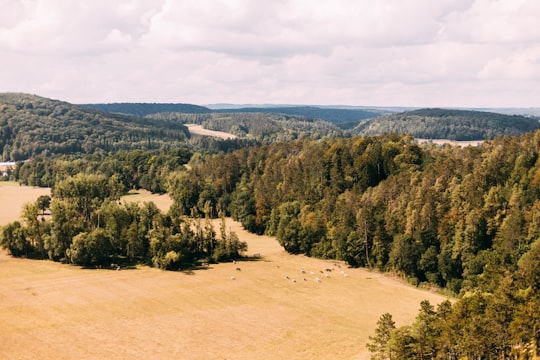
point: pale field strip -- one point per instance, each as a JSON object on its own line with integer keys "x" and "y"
{"x": 199, "y": 130}
{"x": 54, "y": 311}
{"x": 451, "y": 142}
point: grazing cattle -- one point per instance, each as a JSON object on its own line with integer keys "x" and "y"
{"x": 238, "y": 269}
{"x": 303, "y": 271}
{"x": 345, "y": 275}
{"x": 327, "y": 275}
{"x": 287, "y": 277}
{"x": 305, "y": 279}
{"x": 311, "y": 273}
{"x": 293, "y": 280}
{"x": 233, "y": 278}
{"x": 318, "y": 280}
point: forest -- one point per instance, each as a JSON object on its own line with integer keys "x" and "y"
{"x": 459, "y": 125}
{"x": 31, "y": 126}
{"x": 462, "y": 220}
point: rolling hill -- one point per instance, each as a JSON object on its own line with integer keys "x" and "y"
{"x": 31, "y": 125}
{"x": 460, "y": 125}
{"x": 143, "y": 109}
{"x": 345, "y": 118}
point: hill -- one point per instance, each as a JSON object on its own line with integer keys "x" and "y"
{"x": 262, "y": 127}
{"x": 32, "y": 125}
{"x": 461, "y": 125}
{"x": 345, "y": 118}
{"x": 143, "y": 109}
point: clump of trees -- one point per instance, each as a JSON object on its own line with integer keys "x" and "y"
{"x": 481, "y": 325}
{"x": 88, "y": 226}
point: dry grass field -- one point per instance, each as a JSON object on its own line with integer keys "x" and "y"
{"x": 195, "y": 129}
{"x": 54, "y": 311}
{"x": 13, "y": 197}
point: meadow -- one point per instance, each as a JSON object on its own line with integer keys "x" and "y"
{"x": 268, "y": 307}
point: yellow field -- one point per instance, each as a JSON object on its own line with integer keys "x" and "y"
{"x": 13, "y": 197}
{"x": 54, "y": 311}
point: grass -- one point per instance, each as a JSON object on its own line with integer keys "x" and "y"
{"x": 54, "y": 311}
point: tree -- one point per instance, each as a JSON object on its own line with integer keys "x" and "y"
{"x": 13, "y": 238}
{"x": 43, "y": 202}
{"x": 90, "y": 249}
{"x": 378, "y": 345}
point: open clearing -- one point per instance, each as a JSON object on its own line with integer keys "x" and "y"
{"x": 54, "y": 311}
{"x": 13, "y": 197}
{"x": 199, "y": 130}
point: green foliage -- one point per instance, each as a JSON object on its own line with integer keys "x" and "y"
{"x": 379, "y": 344}
{"x": 31, "y": 126}
{"x": 89, "y": 227}
{"x": 448, "y": 124}
{"x": 13, "y": 238}
{"x": 263, "y": 128}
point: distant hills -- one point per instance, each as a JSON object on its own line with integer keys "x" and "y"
{"x": 143, "y": 109}
{"x": 345, "y": 118}
{"x": 32, "y": 125}
{"x": 460, "y": 125}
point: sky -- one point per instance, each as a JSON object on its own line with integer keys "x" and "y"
{"x": 420, "y": 53}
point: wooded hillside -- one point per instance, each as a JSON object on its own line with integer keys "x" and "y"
{"x": 460, "y": 125}
{"x": 32, "y": 125}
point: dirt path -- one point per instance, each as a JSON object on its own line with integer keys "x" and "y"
{"x": 54, "y": 311}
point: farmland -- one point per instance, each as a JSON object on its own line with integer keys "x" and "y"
{"x": 55, "y": 311}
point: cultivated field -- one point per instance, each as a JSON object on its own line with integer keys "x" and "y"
{"x": 13, "y": 197}
{"x": 54, "y": 311}
{"x": 195, "y": 129}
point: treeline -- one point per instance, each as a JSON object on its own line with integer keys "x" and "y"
{"x": 89, "y": 227}
{"x": 135, "y": 169}
{"x": 461, "y": 125}
{"x": 143, "y": 109}
{"x": 263, "y": 128}
{"x": 437, "y": 214}
{"x": 344, "y": 118}
{"x": 480, "y": 325}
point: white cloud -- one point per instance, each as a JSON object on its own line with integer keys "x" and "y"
{"x": 404, "y": 52}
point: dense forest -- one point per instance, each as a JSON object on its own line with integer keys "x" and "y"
{"x": 464, "y": 220}
{"x": 31, "y": 125}
{"x": 461, "y": 125}
{"x": 344, "y": 118}
{"x": 263, "y": 128}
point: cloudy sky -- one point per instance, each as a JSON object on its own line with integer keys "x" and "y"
{"x": 468, "y": 53}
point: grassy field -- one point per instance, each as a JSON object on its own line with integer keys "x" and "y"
{"x": 13, "y": 197}
{"x": 54, "y": 311}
